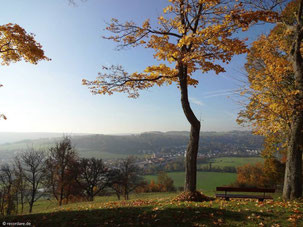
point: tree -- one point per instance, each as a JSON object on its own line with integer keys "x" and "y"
{"x": 127, "y": 177}
{"x": 293, "y": 170}
{"x": 153, "y": 187}
{"x": 92, "y": 176}
{"x": 115, "y": 178}
{"x": 165, "y": 183}
{"x": 16, "y": 44}
{"x": 274, "y": 171}
{"x": 20, "y": 180}
{"x": 267, "y": 175}
{"x": 193, "y": 35}
{"x": 7, "y": 185}
{"x": 59, "y": 168}
{"x": 271, "y": 93}
{"x": 251, "y": 175}
{"x": 33, "y": 166}
{"x": 279, "y": 71}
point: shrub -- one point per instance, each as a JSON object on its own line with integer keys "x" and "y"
{"x": 265, "y": 175}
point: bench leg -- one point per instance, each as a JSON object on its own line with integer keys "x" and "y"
{"x": 261, "y": 200}
{"x": 227, "y": 198}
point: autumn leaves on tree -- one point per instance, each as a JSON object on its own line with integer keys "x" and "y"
{"x": 16, "y": 45}
{"x": 274, "y": 67}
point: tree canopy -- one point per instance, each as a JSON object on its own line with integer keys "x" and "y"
{"x": 275, "y": 108}
{"x": 16, "y": 45}
{"x": 197, "y": 34}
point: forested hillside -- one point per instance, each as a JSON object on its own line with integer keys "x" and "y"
{"x": 145, "y": 143}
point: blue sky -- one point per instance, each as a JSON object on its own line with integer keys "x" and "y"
{"x": 49, "y": 97}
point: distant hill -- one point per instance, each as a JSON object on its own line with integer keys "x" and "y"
{"x": 118, "y": 146}
{"x": 11, "y": 137}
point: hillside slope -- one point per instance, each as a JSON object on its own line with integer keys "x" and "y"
{"x": 146, "y": 143}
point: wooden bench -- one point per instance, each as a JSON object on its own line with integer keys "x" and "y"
{"x": 242, "y": 196}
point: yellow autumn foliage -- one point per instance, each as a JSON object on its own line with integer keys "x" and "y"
{"x": 271, "y": 89}
{"x": 197, "y": 35}
{"x": 16, "y": 44}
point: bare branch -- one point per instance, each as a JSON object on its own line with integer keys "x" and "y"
{"x": 118, "y": 80}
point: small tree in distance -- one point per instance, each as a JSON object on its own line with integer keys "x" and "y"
{"x": 7, "y": 203}
{"x": 115, "y": 177}
{"x": 165, "y": 182}
{"x": 59, "y": 168}
{"x": 92, "y": 176}
{"x": 21, "y": 183}
{"x": 126, "y": 177}
{"x": 33, "y": 162}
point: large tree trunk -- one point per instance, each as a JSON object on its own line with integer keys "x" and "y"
{"x": 191, "y": 159}
{"x": 193, "y": 145}
{"x": 293, "y": 172}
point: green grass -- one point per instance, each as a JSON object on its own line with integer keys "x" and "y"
{"x": 232, "y": 161}
{"x": 45, "y": 206}
{"x": 206, "y": 181}
{"x": 158, "y": 209}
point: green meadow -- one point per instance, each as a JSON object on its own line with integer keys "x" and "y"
{"x": 206, "y": 181}
{"x": 231, "y": 161}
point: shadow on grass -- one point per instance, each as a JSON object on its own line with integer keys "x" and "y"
{"x": 136, "y": 216}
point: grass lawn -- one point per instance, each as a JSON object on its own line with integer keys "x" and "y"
{"x": 45, "y": 206}
{"x": 158, "y": 209}
{"x": 232, "y": 161}
{"x": 206, "y": 181}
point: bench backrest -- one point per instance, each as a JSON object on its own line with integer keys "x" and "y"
{"x": 233, "y": 189}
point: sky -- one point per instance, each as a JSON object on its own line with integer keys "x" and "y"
{"x": 49, "y": 96}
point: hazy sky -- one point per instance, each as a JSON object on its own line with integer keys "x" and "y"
{"x": 49, "y": 97}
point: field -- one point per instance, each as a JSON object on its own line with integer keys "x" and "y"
{"x": 206, "y": 181}
{"x": 105, "y": 155}
{"x": 158, "y": 209}
{"x": 232, "y": 161}
{"x": 8, "y": 151}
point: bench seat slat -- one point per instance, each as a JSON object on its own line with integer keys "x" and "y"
{"x": 242, "y": 196}
{"x": 232, "y": 189}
